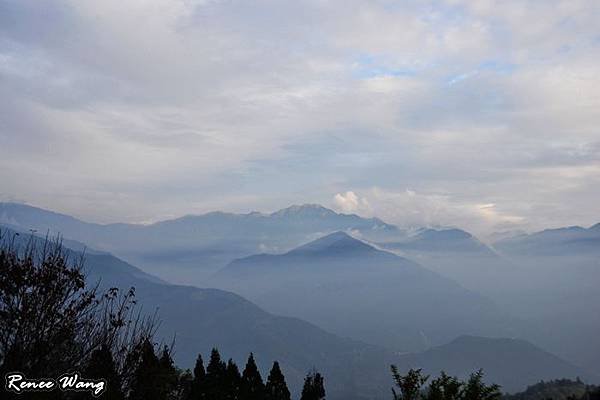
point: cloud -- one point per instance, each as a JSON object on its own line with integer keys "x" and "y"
{"x": 349, "y": 202}
{"x": 162, "y": 108}
{"x": 411, "y": 209}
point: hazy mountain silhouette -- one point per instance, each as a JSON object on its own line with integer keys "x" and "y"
{"x": 458, "y": 255}
{"x": 511, "y": 363}
{"x": 190, "y": 248}
{"x": 200, "y": 319}
{"x": 573, "y": 240}
{"x": 559, "y": 275}
{"x": 548, "y": 279}
{"x": 203, "y": 318}
{"x": 441, "y": 240}
{"x": 351, "y": 288}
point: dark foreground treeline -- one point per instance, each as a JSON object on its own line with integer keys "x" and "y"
{"x": 559, "y": 389}
{"x": 52, "y": 322}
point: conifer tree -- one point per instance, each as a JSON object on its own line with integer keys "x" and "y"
{"x": 215, "y": 377}
{"x": 198, "y": 387}
{"x": 168, "y": 376}
{"x": 233, "y": 381}
{"x": 184, "y": 385}
{"x": 145, "y": 385}
{"x": 313, "y": 388}
{"x": 102, "y": 366}
{"x": 252, "y": 386}
{"x": 276, "y": 388}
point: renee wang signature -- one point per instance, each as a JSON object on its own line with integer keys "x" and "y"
{"x": 16, "y": 382}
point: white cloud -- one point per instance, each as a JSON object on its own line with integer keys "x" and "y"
{"x": 165, "y": 107}
{"x": 411, "y": 209}
{"x": 349, "y": 202}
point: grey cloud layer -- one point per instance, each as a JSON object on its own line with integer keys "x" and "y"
{"x": 479, "y": 114}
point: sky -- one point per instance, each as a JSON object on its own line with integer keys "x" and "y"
{"x": 477, "y": 114}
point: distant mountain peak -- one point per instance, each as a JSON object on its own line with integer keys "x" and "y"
{"x": 336, "y": 243}
{"x": 482, "y": 340}
{"x": 304, "y": 210}
{"x": 445, "y": 233}
{"x": 566, "y": 229}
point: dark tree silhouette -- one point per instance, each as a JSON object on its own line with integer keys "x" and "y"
{"x": 168, "y": 378}
{"x": 409, "y": 384}
{"x": 313, "y": 388}
{"x": 252, "y": 386}
{"x": 102, "y": 366}
{"x": 444, "y": 388}
{"x": 146, "y": 383}
{"x": 476, "y": 389}
{"x": 215, "y": 377}
{"x": 276, "y": 388}
{"x": 233, "y": 381}
{"x": 198, "y": 386}
{"x": 45, "y": 309}
{"x": 53, "y": 322}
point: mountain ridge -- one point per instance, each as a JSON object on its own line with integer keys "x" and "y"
{"x": 238, "y": 326}
{"x": 191, "y": 248}
{"x": 511, "y": 362}
{"x": 362, "y": 286}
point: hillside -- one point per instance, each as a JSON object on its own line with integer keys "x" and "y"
{"x": 460, "y": 256}
{"x": 363, "y": 287}
{"x": 559, "y": 389}
{"x": 202, "y": 318}
{"x": 511, "y": 363}
{"x": 574, "y": 240}
{"x": 191, "y": 248}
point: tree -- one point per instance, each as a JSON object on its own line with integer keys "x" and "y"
{"x": 146, "y": 385}
{"x": 276, "y": 388}
{"x": 53, "y": 322}
{"x": 44, "y": 309}
{"x": 444, "y": 388}
{"x": 313, "y": 388}
{"x": 252, "y": 386}
{"x": 215, "y": 377}
{"x": 476, "y": 389}
{"x": 168, "y": 376}
{"x": 198, "y": 386}
{"x": 233, "y": 381}
{"x": 102, "y": 366}
{"x": 409, "y": 384}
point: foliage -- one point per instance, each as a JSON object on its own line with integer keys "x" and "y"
{"x": 445, "y": 387}
{"x": 102, "y": 366}
{"x": 276, "y": 388}
{"x": 313, "y": 388}
{"x": 252, "y": 386}
{"x": 559, "y": 389}
{"x": 409, "y": 384}
{"x": 53, "y": 322}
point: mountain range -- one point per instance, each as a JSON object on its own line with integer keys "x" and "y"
{"x": 198, "y": 244}
{"x": 545, "y": 281}
{"x": 375, "y": 296}
{"x": 466, "y": 354}
{"x": 200, "y": 319}
{"x": 554, "y": 242}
